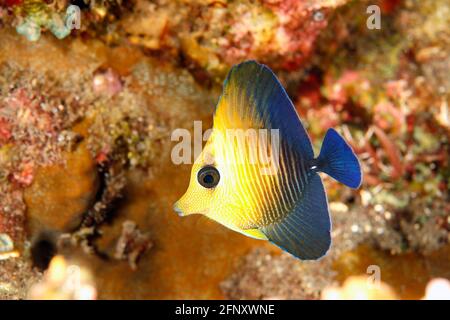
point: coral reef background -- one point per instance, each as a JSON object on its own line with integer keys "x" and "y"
{"x": 86, "y": 118}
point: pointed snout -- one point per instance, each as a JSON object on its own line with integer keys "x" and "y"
{"x": 177, "y": 209}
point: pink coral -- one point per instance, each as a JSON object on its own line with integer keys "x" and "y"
{"x": 25, "y": 176}
{"x": 300, "y": 24}
{"x": 281, "y": 33}
{"x": 102, "y": 156}
{"x": 107, "y": 82}
{"x": 339, "y": 91}
{"x": 5, "y": 131}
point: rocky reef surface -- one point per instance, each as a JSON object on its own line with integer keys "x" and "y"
{"x": 86, "y": 119}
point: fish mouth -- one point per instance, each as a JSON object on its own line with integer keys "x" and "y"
{"x": 177, "y": 209}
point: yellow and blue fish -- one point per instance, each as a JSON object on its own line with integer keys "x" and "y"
{"x": 287, "y": 206}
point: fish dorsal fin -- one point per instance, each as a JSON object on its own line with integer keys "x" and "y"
{"x": 254, "y": 98}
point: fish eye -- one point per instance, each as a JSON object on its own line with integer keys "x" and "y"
{"x": 208, "y": 177}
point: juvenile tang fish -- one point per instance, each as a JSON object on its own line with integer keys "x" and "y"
{"x": 230, "y": 181}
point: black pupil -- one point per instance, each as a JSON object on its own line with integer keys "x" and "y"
{"x": 208, "y": 177}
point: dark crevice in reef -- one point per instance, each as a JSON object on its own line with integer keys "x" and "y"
{"x": 43, "y": 249}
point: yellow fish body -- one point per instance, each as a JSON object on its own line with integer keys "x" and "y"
{"x": 257, "y": 174}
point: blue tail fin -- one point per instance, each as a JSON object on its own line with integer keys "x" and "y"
{"x": 338, "y": 160}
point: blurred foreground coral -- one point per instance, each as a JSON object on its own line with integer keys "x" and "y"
{"x": 64, "y": 281}
{"x": 363, "y": 288}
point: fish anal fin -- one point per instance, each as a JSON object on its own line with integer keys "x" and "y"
{"x": 305, "y": 231}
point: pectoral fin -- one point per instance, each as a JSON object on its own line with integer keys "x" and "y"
{"x": 254, "y": 233}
